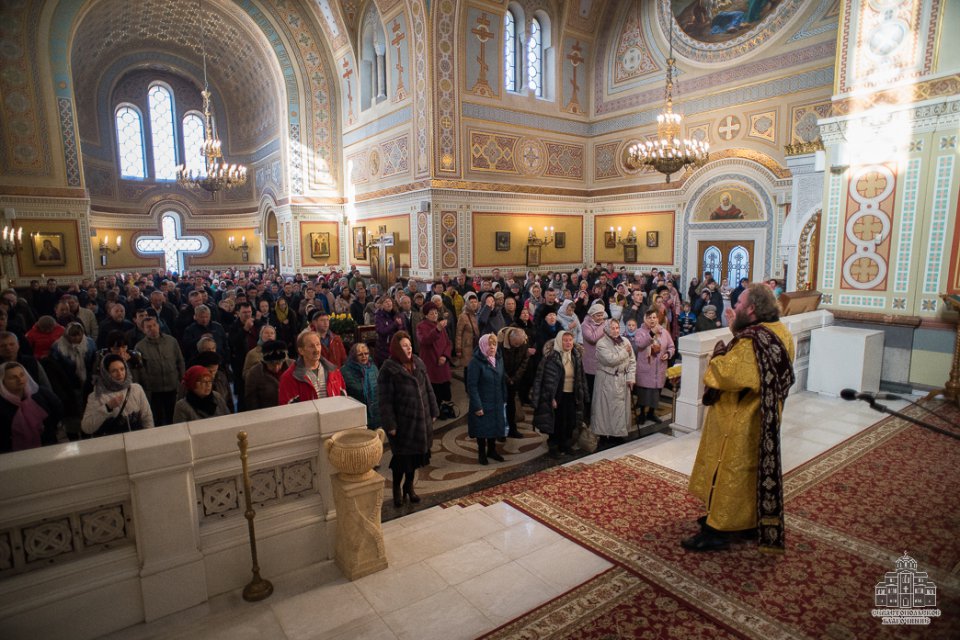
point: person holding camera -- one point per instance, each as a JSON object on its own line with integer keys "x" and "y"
{"x": 655, "y": 347}
{"x": 116, "y": 404}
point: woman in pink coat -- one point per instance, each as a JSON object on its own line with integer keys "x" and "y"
{"x": 655, "y": 348}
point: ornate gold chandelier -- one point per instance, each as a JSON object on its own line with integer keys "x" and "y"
{"x": 216, "y": 173}
{"x": 668, "y": 153}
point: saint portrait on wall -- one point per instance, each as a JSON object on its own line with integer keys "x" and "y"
{"x": 726, "y": 210}
{"x": 728, "y": 201}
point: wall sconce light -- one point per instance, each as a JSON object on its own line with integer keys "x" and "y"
{"x": 631, "y": 238}
{"x": 533, "y": 240}
{"x": 106, "y": 249}
{"x": 12, "y": 240}
{"x": 243, "y": 247}
{"x": 11, "y": 243}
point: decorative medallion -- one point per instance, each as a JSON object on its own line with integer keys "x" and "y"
{"x": 729, "y": 127}
{"x": 764, "y": 126}
{"x": 448, "y": 226}
{"x": 532, "y": 156}
{"x": 867, "y": 230}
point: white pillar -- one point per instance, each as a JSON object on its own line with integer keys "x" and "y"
{"x": 172, "y": 572}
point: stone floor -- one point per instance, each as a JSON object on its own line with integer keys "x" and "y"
{"x": 461, "y": 572}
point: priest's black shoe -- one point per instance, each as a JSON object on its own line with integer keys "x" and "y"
{"x": 705, "y": 541}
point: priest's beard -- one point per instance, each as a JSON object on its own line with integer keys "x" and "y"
{"x": 741, "y": 321}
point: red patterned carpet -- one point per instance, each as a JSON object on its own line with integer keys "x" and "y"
{"x": 850, "y": 514}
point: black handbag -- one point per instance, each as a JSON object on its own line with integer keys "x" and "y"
{"x": 119, "y": 423}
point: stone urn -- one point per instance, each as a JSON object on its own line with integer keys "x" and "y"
{"x": 355, "y": 452}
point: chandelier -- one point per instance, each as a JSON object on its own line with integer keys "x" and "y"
{"x": 216, "y": 174}
{"x": 668, "y": 153}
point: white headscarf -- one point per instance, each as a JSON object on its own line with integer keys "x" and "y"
{"x": 558, "y": 347}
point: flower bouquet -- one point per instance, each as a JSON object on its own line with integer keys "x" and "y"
{"x": 343, "y": 325}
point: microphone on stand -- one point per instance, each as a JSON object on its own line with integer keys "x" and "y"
{"x": 850, "y": 394}
{"x": 871, "y": 399}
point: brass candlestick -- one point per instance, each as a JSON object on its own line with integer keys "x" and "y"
{"x": 258, "y": 589}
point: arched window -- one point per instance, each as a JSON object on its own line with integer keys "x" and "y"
{"x": 711, "y": 262}
{"x": 535, "y": 58}
{"x": 739, "y": 265}
{"x": 510, "y": 52}
{"x": 162, "y": 133}
{"x": 193, "y": 143}
{"x": 130, "y": 142}
{"x": 171, "y": 243}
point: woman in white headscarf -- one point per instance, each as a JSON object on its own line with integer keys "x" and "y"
{"x": 117, "y": 404}
{"x": 569, "y": 321}
{"x": 29, "y": 413}
{"x": 69, "y": 369}
{"x": 613, "y": 387}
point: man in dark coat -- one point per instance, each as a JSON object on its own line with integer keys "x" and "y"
{"x": 513, "y": 346}
{"x": 735, "y": 294}
{"x": 262, "y": 381}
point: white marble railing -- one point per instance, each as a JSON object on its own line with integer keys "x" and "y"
{"x": 102, "y": 534}
{"x": 696, "y": 349}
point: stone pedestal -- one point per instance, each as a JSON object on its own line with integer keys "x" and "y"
{"x": 697, "y": 348}
{"x": 359, "y": 550}
{"x": 845, "y": 358}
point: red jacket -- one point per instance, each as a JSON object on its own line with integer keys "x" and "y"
{"x": 41, "y": 342}
{"x": 294, "y": 386}
{"x": 335, "y": 352}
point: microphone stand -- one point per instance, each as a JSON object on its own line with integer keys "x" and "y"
{"x": 882, "y": 408}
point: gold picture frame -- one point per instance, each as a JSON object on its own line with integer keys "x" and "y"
{"x": 653, "y": 239}
{"x": 609, "y": 240}
{"x": 560, "y": 240}
{"x": 320, "y": 244}
{"x": 503, "y": 241}
{"x": 359, "y": 243}
{"x": 630, "y": 253}
{"x": 533, "y": 255}
{"x": 48, "y": 249}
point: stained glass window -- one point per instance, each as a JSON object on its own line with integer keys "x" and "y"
{"x": 711, "y": 262}
{"x": 171, "y": 243}
{"x": 130, "y": 142}
{"x": 510, "y": 51}
{"x": 162, "y": 133}
{"x": 535, "y": 58}
{"x": 193, "y": 142}
{"x": 739, "y": 265}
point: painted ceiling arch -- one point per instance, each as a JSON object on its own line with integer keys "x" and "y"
{"x": 239, "y": 68}
{"x": 303, "y": 54}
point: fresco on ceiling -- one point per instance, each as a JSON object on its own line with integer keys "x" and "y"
{"x": 720, "y": 20}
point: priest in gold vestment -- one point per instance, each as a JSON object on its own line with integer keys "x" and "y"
{"x": 737, "y": 472}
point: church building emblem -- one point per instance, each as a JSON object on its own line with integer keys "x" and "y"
{"x": 905, "y": 596}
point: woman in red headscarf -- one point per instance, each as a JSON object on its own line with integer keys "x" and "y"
{"x": 201, "y": 400}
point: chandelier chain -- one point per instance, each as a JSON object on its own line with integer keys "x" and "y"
{"x": 215, "y": 174}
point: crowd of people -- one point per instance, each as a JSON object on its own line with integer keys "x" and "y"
{"x": 133, "y": 351}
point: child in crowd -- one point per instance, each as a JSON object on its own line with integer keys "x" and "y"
{"x": 629, "y": 331}
{"x": 688, "y": 320}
